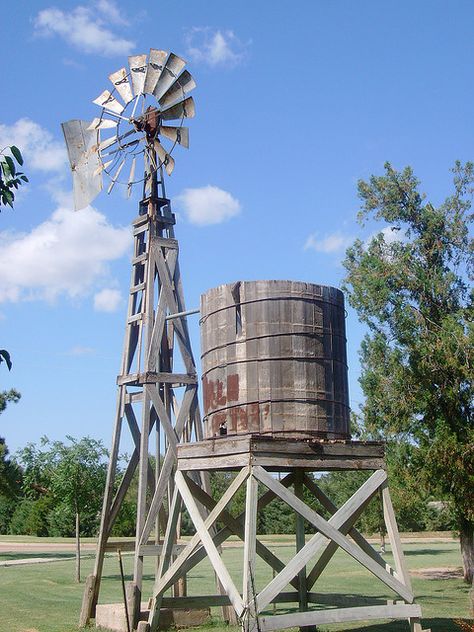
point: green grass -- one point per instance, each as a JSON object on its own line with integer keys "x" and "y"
{"x": 45, "y": 598}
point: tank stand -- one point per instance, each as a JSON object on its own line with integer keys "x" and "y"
{"x": 252, "y": 604}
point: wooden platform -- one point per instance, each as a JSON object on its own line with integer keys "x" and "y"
{"x": 278, "y": 454}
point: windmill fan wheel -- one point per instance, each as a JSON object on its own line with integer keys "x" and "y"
{"x": 131, "y": 138}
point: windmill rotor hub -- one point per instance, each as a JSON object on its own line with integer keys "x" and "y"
{"x": 149, "y": 123}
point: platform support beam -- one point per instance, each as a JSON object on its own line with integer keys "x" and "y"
{"x": 335, "y": 532}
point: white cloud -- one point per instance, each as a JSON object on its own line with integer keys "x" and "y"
{"x": 335, "y": 242}
{"x": 85, "y": 29}
{"x": 65, "y": 255}
{"x": 40, "y": 150}
{"x": 207, "y": 205}
{"x": 214, "y": 47}
{"x": 107, "y": 300}
{"x": 111, "y": 12}
{"x": 79, "y": 350}
{"x": 390, "y": 235}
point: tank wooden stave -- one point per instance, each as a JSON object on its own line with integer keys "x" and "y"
{"x": 274, "y": 360}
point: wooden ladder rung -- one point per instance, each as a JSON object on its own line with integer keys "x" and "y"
{"x": 140, "y": 259}
{"x": 131, "y": 398}
{"x": 134, "y": 318}
{"x": 140, "y": 229}
{"x": 137, "y": 288}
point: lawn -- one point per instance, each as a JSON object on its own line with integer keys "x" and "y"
{"x": 44, "y": 597}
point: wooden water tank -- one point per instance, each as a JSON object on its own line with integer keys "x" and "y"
{"x": 274, "y": 360}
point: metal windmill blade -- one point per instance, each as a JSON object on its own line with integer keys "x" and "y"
{"x": 87, "y": 180}
{"x": 128, "y": 138}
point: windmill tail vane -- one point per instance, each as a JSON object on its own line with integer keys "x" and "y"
{"x": 130, "y": 141}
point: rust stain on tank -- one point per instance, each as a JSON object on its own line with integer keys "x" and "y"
{"x": 214, "y": 395}
{"x": 253, "y": 417}
{"x": 233, "y": 388}
{"x": 238, "y": 418}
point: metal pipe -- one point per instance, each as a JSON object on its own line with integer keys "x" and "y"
{"x": 179, "y": 314}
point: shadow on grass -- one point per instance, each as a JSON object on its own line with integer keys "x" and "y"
{"x": 426, "y": 552}
{"x": 5, "y": 557}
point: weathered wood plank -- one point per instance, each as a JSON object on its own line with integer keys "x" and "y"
{"x": 197, "y": 601}
{"x": 300, "y": 543}
{"x": 152, "y": 377}
{"x": 353, "y": 532}
{"x": 167, "y": 243}
{"x": 90, "y": 597}
{"x": 154, "y": 550}
{"x": 318, "y": 464}
{"x": 265, "y": 446}
{"x": 338, "y": 615}
{"x": 87, "y": 600}
{"x": 317, "y": 541}
{"x": 160, "y": 317}
{"x": 166, "y": 278}
{"x": 208, "y": 543}
{"x": 392, "y": 530}
{"x": 235, "y": 526}
{"x": 140, "y": 258}
{"x": 176, "y": 568}
{"x": 236, "y": 461}
{"x": 165, "y": 558}
{"x": 250, "y": 537}
{"x": 231, "y": 462}
{"x": 168, "y": 463}
{"x": 330, "y": 531}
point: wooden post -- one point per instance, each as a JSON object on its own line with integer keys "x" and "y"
{"x": 249, "y": 593}
{"x": 300, "y": 543}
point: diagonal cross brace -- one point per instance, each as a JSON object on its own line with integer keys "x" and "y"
{"x": 329, "y": 530}
{"x": 175, "y": 569}
{"x": 189, "y": 400}
{"x": 221, "y": 536}
{"x": 160, "y": 318}
{"x": 166, "y": 278}
{"x": 353, "y": 532}
{"x": 206, "y": 539}
{"x": 236, "y": 525}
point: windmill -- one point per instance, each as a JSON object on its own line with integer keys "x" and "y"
{"x": 130, "y": 143}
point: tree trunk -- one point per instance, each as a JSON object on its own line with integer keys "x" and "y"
{"x": 466, "y": 529}
{"x": 78, "y": 550}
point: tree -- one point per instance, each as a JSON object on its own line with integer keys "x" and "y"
{"x": 10, "y": 474}
{"x": 74, "y": 474}
{"x": 411, "y": 286}
{"x": 10, "y": 178}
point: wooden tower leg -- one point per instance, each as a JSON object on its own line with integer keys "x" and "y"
{"x": 249, "y": 590}
{"x": 300, "y": 543}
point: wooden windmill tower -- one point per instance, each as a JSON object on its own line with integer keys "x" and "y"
{"x": 157, "y": 386}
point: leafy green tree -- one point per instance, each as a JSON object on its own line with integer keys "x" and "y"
{"x": 74, "y": 474}
{"x": 10, "y": 177}
{"x": 10, "y": 474}
{"x": 414, "y": 292}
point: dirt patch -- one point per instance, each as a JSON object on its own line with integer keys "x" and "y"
{"x": 441, "y": 572}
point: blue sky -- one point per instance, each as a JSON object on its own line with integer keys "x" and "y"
{"x": 295, "y": 102}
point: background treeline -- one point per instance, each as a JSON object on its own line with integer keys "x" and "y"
{"x": 44, "y": 487}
